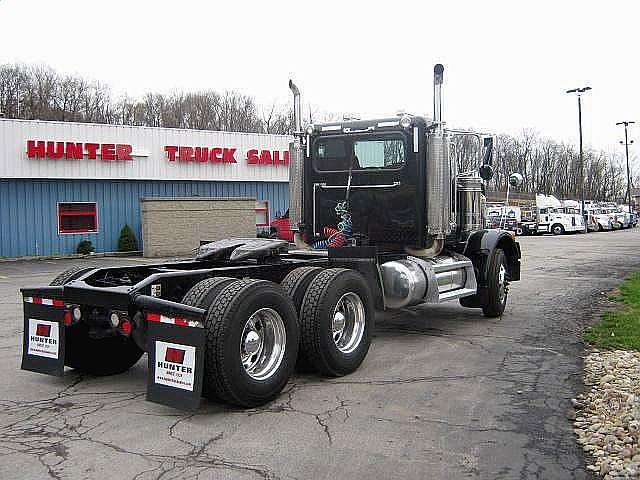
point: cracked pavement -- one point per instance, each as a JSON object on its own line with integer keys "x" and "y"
{"x": 443, "y": 393}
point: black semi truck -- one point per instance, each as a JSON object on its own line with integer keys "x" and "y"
{"x": 382, "y": 219}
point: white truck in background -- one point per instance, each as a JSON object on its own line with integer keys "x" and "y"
{"x": 558, "y": 217}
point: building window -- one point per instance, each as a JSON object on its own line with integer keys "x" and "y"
{"x": 262, "y": 213}
{"x": 77, "y": 217}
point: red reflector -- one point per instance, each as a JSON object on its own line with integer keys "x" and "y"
{"x": 37, "y": 300}
{"x": 126, "y": 327}
{"x": 174, "y": 355}
{"x": 153, "y": 317}
{"x": 43, "y": 330}
{"x": 58, "y": 303}
{"x": 67, "y": 318}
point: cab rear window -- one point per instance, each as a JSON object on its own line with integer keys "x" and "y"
{"x": 333, "y": 154}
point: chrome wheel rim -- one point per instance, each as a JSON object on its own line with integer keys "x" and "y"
{"x": 502, "y": 283}
{"x": 348, "y": 322}
{"x": 262, "y": 344}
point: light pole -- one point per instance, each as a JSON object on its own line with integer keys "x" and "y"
{"x": 626, "y": 148}
{"x": 579, "y": 92}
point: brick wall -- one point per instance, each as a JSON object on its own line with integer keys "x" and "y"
{"x": 175, "y": 226}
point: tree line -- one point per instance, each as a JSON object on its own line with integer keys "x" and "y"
{"x": 549, "y": 167}
{"x": 39, "y": 92}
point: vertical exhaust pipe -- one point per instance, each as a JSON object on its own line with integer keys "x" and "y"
{"x": 438, "y": 181}
{"x": 297, "y": 117}
{"x": 296, "y": 171}
{"x": 438, "y": 77}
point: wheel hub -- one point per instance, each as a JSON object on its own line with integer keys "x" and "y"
{"x": 252, "y": 342}
{"x": 262, "y": 344}
{"x": 339, "y": 321}
{"x": 348, "y": 322}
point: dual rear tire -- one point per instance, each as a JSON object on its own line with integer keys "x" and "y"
{"x": 255, "y": 330}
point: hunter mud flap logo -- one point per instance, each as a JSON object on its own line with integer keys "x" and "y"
{"x": 43, "y": 349}
{"x": 176, "y": 363}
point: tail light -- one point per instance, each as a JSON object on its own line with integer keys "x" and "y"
{"x": 72, "y": 315}
{"x": 126, "y": 327}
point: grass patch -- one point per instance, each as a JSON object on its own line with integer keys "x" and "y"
{"x": 620, "y": 328}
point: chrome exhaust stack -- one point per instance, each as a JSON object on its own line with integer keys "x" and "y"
{"x": 296, "y": 170}
{"x": 438, "y": 197}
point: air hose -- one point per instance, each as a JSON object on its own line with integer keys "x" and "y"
{"x": 337, "y": 237}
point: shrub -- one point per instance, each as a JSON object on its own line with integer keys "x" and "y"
{"x": 85, "y": 247}
{"x": 127, "y": 241}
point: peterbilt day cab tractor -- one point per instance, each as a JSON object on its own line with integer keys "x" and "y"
{"x": 382, "y": 220}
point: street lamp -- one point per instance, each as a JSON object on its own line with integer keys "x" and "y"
{"x": 626, "y": 147}
{"x": 579, "y": 92}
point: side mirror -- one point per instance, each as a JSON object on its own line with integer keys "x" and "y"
{"x": 486, "y": 172}
{"x": 515, "y": 179}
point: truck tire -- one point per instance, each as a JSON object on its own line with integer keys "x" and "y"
{"x": 557, "y": 229}
{"x": 104, "y": 356}
{"x": 203, "y": 293}
{"x": 296, "y": 283}
{"x": 70, "y": 274}
{"x": 252, "y": 337}
{"x": 497, "y": 285}
{"x": 337, "y": 319}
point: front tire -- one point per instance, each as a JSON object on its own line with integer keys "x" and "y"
{"x": 252, "y": 337}
{"x": 557, "y": 229}
{"x": 497, "y": 285}
{"x": 336, "y": 319}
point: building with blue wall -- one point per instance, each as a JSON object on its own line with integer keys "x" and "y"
{"x": 61, "y": 183}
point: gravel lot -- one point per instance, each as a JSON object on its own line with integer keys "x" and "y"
{"x": 444, "y": 393}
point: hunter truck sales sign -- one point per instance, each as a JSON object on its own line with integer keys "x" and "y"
{"x": 67, "y": 150}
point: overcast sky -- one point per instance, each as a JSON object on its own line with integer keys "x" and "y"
{"x": 507, "y": 64}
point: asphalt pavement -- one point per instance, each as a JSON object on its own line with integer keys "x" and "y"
{"x": 443, "y": 394}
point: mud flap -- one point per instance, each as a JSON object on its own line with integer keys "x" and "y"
{"x": 176, "y": 365}
{"x": 43, "y": 339}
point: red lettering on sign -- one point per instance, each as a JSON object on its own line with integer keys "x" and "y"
{"x": 276, "y": 158}
{"x": 74, "y": 150}
{"x": 35, "y": 150}
{"x": 202, "y": 154}
{"x": 123, "y": 152}
{"x": 185, "y": 154}
{"x": 171, "y": 152}
{"x": 265, "y": 157}
{"x": 228, "y": 155}
{"x": 92, "y": 149}
{"x": 286, "y": 157}
{"x": 252, "y": 157}
{"x": 55, "y": 150}
{"x": 216, "y": 155}
{"x": 108, "y": 151}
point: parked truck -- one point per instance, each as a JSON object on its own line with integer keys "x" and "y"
{"x": 381, "y": 220}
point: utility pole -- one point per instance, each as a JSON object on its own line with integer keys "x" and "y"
{"x": 579, "y": 92}
{"x": 626, "y": 148}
